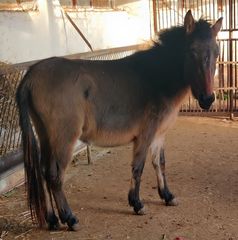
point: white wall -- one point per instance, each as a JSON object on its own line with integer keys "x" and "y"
{"x": 26, "y": 36}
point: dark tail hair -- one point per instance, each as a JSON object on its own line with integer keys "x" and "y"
{"x": 33, "y": 175}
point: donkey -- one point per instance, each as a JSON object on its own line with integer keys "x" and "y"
{"x": 110, "y": 103}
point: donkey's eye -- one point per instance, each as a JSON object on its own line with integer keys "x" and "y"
{"x": 193, "y": 54}
{"x": 206, "y": 59}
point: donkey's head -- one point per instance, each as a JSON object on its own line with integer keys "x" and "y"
{"x": 200, "y": 59}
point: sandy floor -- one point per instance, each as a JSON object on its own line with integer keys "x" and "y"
{"x": 202, "y": 171}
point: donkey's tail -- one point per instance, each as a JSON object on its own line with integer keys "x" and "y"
{"x": 34, "y": 179}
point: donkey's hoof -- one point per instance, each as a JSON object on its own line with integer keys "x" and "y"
{"x": 142, "y": 211}
{"x": 172, "y": 202}
{"x": 139, "y": 208}
{"x": 73, "y": 224}
{"x": 53, "y": 226}
{"x": 74, "y": 227}
{"x": 53, "y": 223}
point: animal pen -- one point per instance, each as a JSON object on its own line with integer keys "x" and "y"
{"x": 165, "y": 14}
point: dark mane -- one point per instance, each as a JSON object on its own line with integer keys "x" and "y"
{"x": 171, "y": 37}
{"x": 176, "y": 35}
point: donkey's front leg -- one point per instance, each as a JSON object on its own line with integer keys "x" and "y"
{"x": 158, "y": 161}
{"x": 140, "y": 152}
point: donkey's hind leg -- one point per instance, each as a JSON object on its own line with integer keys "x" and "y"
{"x": 61, "y": 156}
{"x": 158, "y": 161}
{"x": 50, "y": 216}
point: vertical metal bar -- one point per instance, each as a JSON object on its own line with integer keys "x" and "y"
{"x": 214, "y": 11}
{"x": 201, "y": 3}
{"x": 235, "y": 72}
{"x": 155, "y": 16}
{"x": 231, "y": 57}
{"x": 222, "y": 78}
{"x": 183, "y": 6}
{"x": 174, "y": 15}
{"x": 198, "y": 11}
{"x": 207, "y": 10}
{"x": 170, "y": 14}
{"x": 158, "y": 11}
{"x": 162, "y": 19}
{"x": 168, "y": 24}
{"x": 227, "y": 15}
{"x": 236, "y": 51}
{"x": 193, "y": 5}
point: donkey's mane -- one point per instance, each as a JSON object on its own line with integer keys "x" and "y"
{"x": 174, "y": 39}
{"x": 173, "y": 36}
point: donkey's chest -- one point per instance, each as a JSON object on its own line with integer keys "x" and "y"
{"x": 169, "y": 116}
{"x": 167, "y": 121}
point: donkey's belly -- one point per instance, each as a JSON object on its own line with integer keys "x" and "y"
{"x": 109, "y": 138}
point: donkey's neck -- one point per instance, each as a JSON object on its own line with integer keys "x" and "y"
{"x": 162, "y": 66}
{"x": 170, "y": 54}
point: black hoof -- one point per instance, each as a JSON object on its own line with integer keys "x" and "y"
{"x": 138, "y": 206}
{"x": 53, "y": 226}
{"x": 172, "y": 202}
{"x": 142, "y": 211}
{"x": 167, "y": 196}
{"x": 53, "y": 223}
{"x": 73, "y": 224}
{"x": 135, "y": 203}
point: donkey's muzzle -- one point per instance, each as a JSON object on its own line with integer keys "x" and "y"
{"x": 205, "y": 102}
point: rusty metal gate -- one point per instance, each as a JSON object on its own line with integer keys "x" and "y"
{"x": 171, "y": 12}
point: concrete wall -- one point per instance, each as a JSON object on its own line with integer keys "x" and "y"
{"x": 47, "y": 32}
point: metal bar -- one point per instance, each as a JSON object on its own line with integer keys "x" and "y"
{"x": 78, "y": 30}
{"x": 231, "y": 57}
{"x": 9, "y": 160}
{"x": 24, "y": 66}
{"x": 155, "y": 16}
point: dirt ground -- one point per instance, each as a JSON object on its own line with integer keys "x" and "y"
{"x": 202, "y": 171}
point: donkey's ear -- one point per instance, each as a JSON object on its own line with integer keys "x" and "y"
{"x": 217, "y": 27}
{"x": 189, "y": 22}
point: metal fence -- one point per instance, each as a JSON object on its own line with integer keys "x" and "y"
{"x": 9, "y": 129}
{"x": 171, "y": 12}
{"x": 10, "y": 76}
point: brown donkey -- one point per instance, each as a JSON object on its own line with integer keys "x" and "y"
{"x": 110, "y": 103}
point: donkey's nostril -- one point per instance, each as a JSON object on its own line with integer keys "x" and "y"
{"x": 206, "y": 101}
{"x": 210, "y": 98}
{"x": 201, "y": 97}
